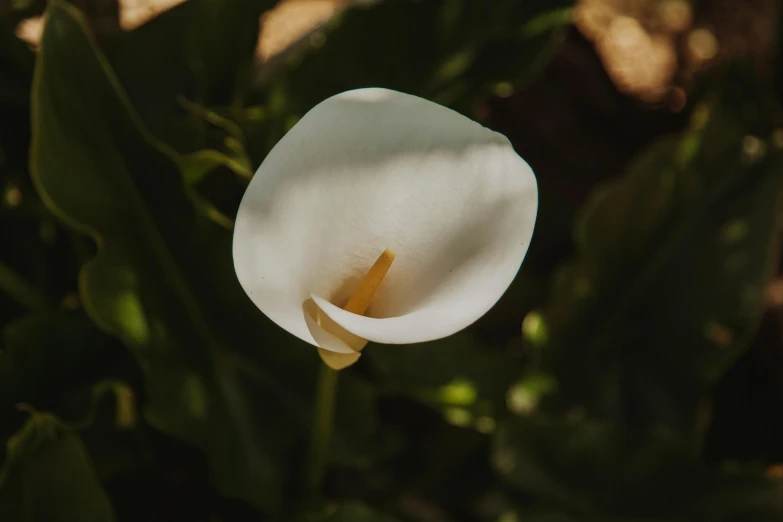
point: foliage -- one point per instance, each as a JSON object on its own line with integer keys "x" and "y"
{"x": 138, "y": 382}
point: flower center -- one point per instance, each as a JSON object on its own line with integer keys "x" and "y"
{"x": 362, "y": 296}
{"x": 357, "y": 304}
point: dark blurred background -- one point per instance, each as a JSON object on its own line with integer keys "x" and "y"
{"x": 633, "y": 371}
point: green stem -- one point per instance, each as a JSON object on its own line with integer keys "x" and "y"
{"x": 20, "y": 291}
{"x": 321, "y": 435}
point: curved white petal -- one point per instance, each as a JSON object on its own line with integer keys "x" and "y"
{"x": 329, "y": 335}
{"x": 373, "y": 169}
{"x": 326, "y": 340}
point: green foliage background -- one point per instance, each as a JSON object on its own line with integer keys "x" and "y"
{"x": 632, "y": 372}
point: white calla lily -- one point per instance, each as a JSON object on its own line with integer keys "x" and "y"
{"x": 375, "y": 171}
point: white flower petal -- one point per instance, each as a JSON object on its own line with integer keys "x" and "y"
{"x": 373, "y": 169}
{"x": 328, "y": 334}
{"x": 326, "y": 340}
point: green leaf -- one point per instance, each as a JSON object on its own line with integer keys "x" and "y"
{"x": 454, "y": 52}
{"x": 218, "y": 374}
{"x": 738, "y": 495}
{"x": 154, "y": 82}
{"x": 198, "y": 164}
{"x": 465, "y": 380}
{"x": 356, "y": 512}
{"x": 42, "y": 353}
{"x": 674, "y": 257}
{"x": 220, "y": 47}
{"x": 593, "y": 470}
{"x": 588, "y": 467}
{"x": 198, "y": 53}
{"x": 19, "y": 290}
{"x": 202, "y": 50}
{"x": 47, "y": 476}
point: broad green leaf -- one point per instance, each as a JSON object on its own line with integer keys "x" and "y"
{"x": 220, "y": 47}
{"x": 454, "y": 52}
{"x": 47, "y": 476}
{"x": 14, "y": 286}
{"x": 218, "y": 374}
{"x": 202, "y": 50}
{"x": 42, "y": 353}
{"x": 196, "y": 54}
{"x": 60, "y": 362}
{"x": 545, "y": 516}
{"x": 356, "y": 512}
{"x": 459, "y": 376}
{"x": 451, "y": 49}
{"x": 736, "y": 495}
{"x": 587, "y": 467}
{"x": 593, "y": 470}
{"x": 673, "y": 261}
{"x": 154, "y": 82}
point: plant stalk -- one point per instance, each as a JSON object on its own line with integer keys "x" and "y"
{"x": 321, "y": 436}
